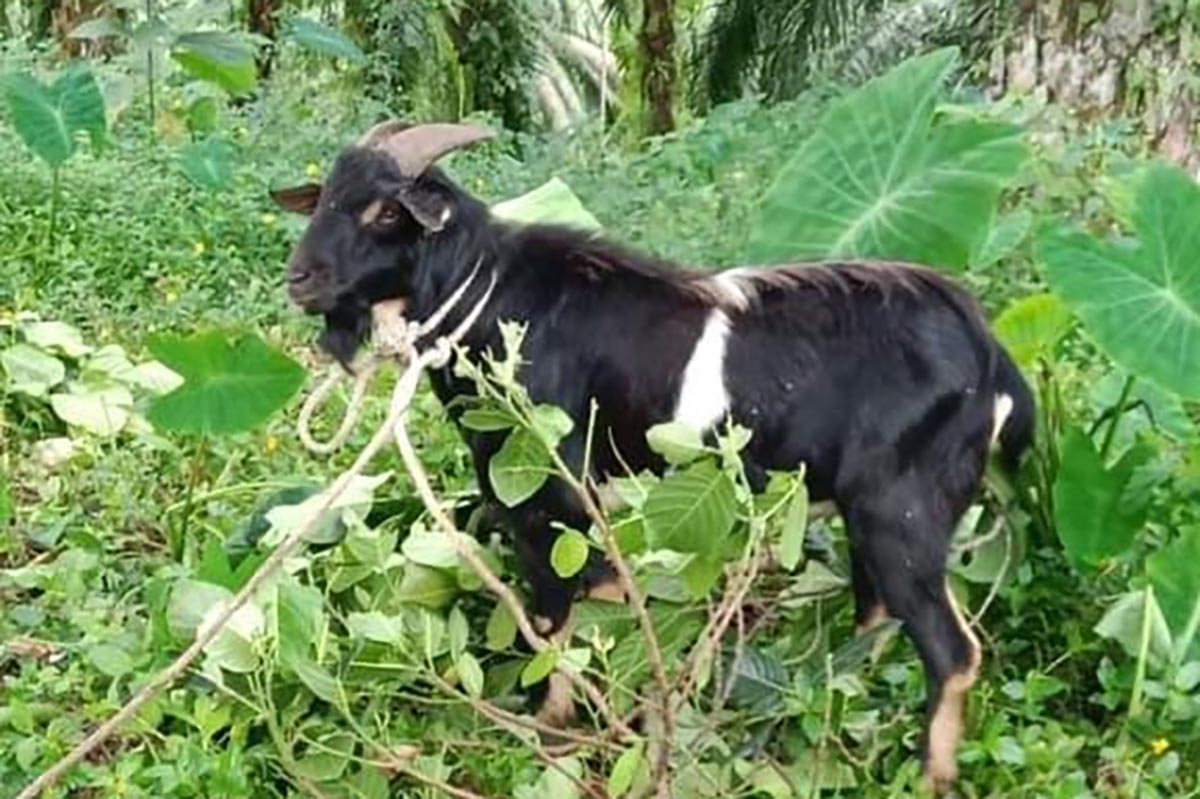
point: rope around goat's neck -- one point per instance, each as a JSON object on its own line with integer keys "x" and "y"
{"x": 393, "y": 337}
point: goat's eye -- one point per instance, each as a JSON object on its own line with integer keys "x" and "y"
{"x": 388, "y": 216}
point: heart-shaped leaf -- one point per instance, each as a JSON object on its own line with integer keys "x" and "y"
{"x": 47, "y": 118}
{"x": 1031, "y": 326}
{"x": 1176, "y": 579}
{"x": 31, "y": 371}
{"x": 218, "y": 58}
{"x": 230, "y": 384}
{"x": 323, "y": 39}
{"x": 552, "y": 203}
{"x": 208, "y": 164}
{"x": 1140, "y": 301}
{"x": 880, "y": 177}
{"x": 1095, "y": 519}
{"x": 102, "y": 412}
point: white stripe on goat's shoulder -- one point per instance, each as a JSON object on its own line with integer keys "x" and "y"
{"x": 703, "y": 399}
{"x": 732, "y": 288}
{"x": 1004, "y": 407}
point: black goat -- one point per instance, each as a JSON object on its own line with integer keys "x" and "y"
{"x": 882, "y": 378}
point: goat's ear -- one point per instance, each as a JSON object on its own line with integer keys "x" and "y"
{"x": 299, "y": 199}
{"x": 429, "y": 207}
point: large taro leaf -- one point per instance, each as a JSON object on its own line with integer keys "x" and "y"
{"x": 692, "y": 510}
{"x": 881, "y": 177}
{"x": 230, "y": 384}
{"x": 1175, "y": 574}
{"x": 1095, "y": 517}
{"x": 1140, "y": 301}
{"x": 47, "y": 118}
{"x": 323, "y": 39}
{"x": 219, "y": 58}
{"x": 552, "y": 203}
{"x": 208, "y": 164}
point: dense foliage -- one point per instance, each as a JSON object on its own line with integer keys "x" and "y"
{"x": 140, "y": 289}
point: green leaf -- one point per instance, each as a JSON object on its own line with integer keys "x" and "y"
{"x": 487, "y": 419}
{"x": 110, "y": 659}
{"x": 208, "y": 164}
{"x": 678, "y": 443}
{"x": 501, "y": 630}
{"x": 100, "y": 28}
{"x": 323, "y": 765}
{"x": 878, "y": 177}
{"x": 569, "y": 554}
{"x": 552, "y": 203}
{"x": 620, "y": 779}
{"x": 1174, "y": 572}
{"x": 432, "y": 588}
{"x": 691, "y": 511}
{"x": 300, "y": 619}
{"x": 31, "y": 371}
{"x": 323, "y": 684}
{"x": 539, "y": 667}
{"x": 430, "y": 549}
{"x": 218, "y": 58}
{"x": 460, "y": 632}
{"x": 759, "y": 680}
{"x": 322, "y": 39}
{"x": 56, "y": 337}
{"x": 190, "y": 602}
{"x": 1003, "y": 238}
{"x": 551, "y": 423}
{"x": 230, "y": 385}
{"x": 1140, "y": 301}
{"x": 1032, "y": 326}
{"x": 1094, "y": 518}
{"x": 470, "y": 674}
{"x": 375, "y": 626}
{"x": 47, "y": 119}
{"x": 102, "y": 412}
{"x": 1124, "y": 621}
{"x": 795, "y": 525}
{"x": 520, "y": 468}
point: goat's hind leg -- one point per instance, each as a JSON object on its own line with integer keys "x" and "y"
{"x": 903, "y": 540}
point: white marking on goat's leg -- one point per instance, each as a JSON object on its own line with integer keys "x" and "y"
{"x": 876, "y": 616}
{"x": 558, "y": 707}
{"x": 945, "y": 725}
{"x": 1004, "y": 408}
{"x": 607, "y": 590}
{"x": 703, "y": 398}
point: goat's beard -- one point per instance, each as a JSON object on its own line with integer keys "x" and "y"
{"x": 347, "y": 327}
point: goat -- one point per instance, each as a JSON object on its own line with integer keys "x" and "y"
{"x": 881, "y": 377}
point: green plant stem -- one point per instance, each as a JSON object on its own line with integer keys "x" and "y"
{"x": 150, "y": 69}
{"x": 55, "y": 185}
{"x": 179, "y": 539}
{"x": 1139, "y": 678}
{"x": 1118, "y": 412}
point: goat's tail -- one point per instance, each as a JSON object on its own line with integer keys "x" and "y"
{"x": 1016, "y": 411}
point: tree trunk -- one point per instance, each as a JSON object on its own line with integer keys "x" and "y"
{"x": 1133, "y": 59}
{"x": 262, "y": 19}
{"x": 657, "y": 40}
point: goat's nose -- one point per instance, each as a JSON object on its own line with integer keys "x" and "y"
{"x": 298, "y": 275}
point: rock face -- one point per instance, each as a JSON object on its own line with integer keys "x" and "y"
{"x": 1136, "y": 58}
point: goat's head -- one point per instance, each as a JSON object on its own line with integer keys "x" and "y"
{"x": 368, "y": 221}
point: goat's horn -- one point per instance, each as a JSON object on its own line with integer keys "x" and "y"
{"x": 415, "y": 149}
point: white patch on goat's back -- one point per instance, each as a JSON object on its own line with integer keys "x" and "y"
{"x": 703, "y": 399}
{"x": 732, "y": 288}
{"x": 1004, "y": 408}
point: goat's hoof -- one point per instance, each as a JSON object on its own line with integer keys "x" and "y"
{"x": 940, "y": 778}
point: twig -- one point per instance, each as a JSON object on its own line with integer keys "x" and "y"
{"x": 402, "y": 395}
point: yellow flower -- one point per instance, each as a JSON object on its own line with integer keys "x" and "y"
{"x": 171, "y": 297}
{"x": 312, "y": 169}
{"x": 198, "y": 248}
{"x": 269, "y": 218}
{"x": 1160, "y": 745}
{"x": 271, "y": 443}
